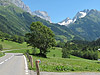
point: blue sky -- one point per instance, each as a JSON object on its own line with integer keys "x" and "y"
{"x": 59, "y": 10}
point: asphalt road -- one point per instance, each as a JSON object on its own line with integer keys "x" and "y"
{"x": 13, "y": 64}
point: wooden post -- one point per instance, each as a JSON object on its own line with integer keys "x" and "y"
{"x": 27, "y": 55}
{"x": 31, "y": 61}
{"x": 29, "y": 58}
{"x": 37, "y": 67}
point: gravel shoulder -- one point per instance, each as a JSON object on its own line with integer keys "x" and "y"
{"x": 66, "y": 73}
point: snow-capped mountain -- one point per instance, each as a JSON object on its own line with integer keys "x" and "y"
{"x": 66, "y": 22}
{"x": 89, "y": 26}
{"x": 42, "y": 14}
{"x": 79, "y": 15}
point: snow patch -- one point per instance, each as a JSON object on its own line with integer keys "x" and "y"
{"x": 82, "y": 14}
{"x": 66, "y": 23}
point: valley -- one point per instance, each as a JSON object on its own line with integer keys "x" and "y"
{"x": 70, "y": 46}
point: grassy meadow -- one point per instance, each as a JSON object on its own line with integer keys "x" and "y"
{"x": 13, "y": 45}
{"x": 55, "y": 63}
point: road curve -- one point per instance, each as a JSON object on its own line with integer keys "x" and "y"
{"x": 13, "y": 64}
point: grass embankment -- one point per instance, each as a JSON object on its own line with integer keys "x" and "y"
{"x": 55, "y": 62}
{"x": 20, "y": 51}
{"x": 12, "y": 45}
{"x": 98, "y": 54}
{"x": 1, "y": 54}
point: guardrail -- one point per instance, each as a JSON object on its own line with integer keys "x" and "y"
{"x": 30, "y": 59}
{"x": 36, "y": 62}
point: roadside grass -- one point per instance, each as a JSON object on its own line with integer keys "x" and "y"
{"x": 20, "y": 51}
{"x": 55, "y": 52}
{"x": 67, "y": 65}
{"x": 99, "y": 54}
{"x": 1, "y": 54}
{"x": 12, "y": 45}
{"x": 55, "y": 63}
{"x": 58, "y": 64}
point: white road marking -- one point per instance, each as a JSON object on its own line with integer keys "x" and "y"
{"x": 26, "y": 67}
{"x": 6, "y": 59}
{"x": 2, "y": 62}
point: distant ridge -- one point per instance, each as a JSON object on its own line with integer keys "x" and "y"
{"x": 79, "y": 15}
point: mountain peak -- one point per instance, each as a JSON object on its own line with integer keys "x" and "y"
{"x": 18, "y": 3}
{"x": 66, "y": 22}
{"x": 42, "y": 14}
{"x": 85, "y": 10}
{"x": 79, "y": 15}
{"x": 93, "y": 10}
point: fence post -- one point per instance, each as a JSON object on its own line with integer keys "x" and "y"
{"x": 37, "y": 67}
{"x": 31, "y": 61}
{"x": 27, "y": 55}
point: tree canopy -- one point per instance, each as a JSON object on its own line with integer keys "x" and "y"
{"x": 40, "y": 37}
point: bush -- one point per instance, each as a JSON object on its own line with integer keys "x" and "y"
{"x": 34, "y": 51}
{"x": 89, "y": 54}
{"x": 65, "y": 53}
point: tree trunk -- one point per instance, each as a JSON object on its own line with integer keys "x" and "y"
{"x": 45, "y": 55}
{"x": 40, "y": 52}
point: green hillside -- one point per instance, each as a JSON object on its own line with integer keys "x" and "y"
{"x": 14, "y": 20}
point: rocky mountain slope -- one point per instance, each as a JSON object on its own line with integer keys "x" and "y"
{"x": 20, "y": 4}
{"x": 42, "y": 14}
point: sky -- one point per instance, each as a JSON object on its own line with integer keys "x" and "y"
{"x": 59, "y": 10}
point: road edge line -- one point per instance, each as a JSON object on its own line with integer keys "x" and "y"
{"x": 26, "y": 65}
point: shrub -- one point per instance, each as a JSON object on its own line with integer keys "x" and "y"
{"x": 34, "y": 51}
{"x": 89, "y": 54}
{"x": 65, "y": 53}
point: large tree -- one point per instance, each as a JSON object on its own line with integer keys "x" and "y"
{"x": 40, "y": 37}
